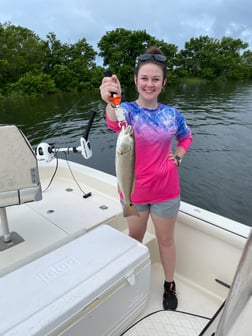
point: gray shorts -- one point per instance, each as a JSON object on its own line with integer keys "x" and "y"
{"x": 163, "y": 209}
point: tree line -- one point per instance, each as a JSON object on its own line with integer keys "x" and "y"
{"x": 30, "y": 65}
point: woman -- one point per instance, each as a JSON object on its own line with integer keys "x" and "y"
{"x": 157, "y": 189}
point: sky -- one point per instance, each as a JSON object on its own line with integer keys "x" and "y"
{"x": 174, "y": 22}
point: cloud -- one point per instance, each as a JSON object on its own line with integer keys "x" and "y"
{"x": 174, "y": 22}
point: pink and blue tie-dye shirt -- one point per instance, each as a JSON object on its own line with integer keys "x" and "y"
{"x": 156, "y": 177}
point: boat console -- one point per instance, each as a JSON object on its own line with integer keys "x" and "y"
{"x": 19, "y": 178}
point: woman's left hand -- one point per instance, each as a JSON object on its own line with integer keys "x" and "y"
{"x": 175, "y": 158}
{"x": 172, "y": 158}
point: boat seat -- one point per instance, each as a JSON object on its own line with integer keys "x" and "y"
{"x": 19, "y": 176}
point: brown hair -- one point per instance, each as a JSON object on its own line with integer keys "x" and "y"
{"x": 152, "y": 50}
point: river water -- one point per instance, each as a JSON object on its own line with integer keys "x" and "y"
{"x": 216, "y": 172}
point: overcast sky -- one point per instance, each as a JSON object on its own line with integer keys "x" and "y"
{"x": 172, "y": 21}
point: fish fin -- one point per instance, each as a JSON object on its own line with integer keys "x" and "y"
{"x": 130, "y": 210}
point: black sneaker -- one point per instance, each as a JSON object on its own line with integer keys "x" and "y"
{"x": 170, "y": 300}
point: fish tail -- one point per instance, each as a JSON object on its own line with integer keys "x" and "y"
{"x": 130, "y": 210}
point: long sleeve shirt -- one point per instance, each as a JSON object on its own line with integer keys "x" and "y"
{"x": 156, "y": 177}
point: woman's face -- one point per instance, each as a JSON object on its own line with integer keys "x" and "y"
{"x": 149, "y": 82}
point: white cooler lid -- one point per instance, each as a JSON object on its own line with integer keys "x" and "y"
{"x": 40, "y": 296}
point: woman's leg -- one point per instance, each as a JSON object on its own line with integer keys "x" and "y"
{"x": 165, "y": 236}
{"x": 164, "y": 228}
{"x": 137, "y": 225}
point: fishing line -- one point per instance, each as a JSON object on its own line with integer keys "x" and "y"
{"x": 62, "y": 119}
{"x": 85, "y": 195}
{"x": 54, "y": 173}
{"x": 85, "y": 149}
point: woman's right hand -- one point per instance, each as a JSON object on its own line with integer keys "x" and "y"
{"x": 109, "y": 86}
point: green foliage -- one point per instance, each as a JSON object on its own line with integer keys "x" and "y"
{"x": 210, "y": 58}
{"x": 63, "y": 77}
{"x": 247, "y": 63}
{"x": 24, "y": 57}
{"x": 30, "y": 84}
{"x": 21, "y": 52}
{"x": 120, "y": 48}
{"x": 30, "y": 65}
{"x": 70, "y": 65}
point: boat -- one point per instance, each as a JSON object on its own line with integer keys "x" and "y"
{"x": 68, "y": 267}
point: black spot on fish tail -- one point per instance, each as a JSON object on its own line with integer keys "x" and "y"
{"x": 130, "y": 210}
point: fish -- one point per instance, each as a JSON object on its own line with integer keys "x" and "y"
{"x": 125, "y": 168}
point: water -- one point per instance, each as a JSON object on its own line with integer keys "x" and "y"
{"x": 215, "y": 174}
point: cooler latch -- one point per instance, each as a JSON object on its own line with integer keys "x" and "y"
{"x": 131, "y": 278}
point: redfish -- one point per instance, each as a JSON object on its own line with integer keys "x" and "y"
{"x": 125, "y": 168}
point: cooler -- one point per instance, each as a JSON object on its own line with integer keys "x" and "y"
{"x": 95, "y": 285}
